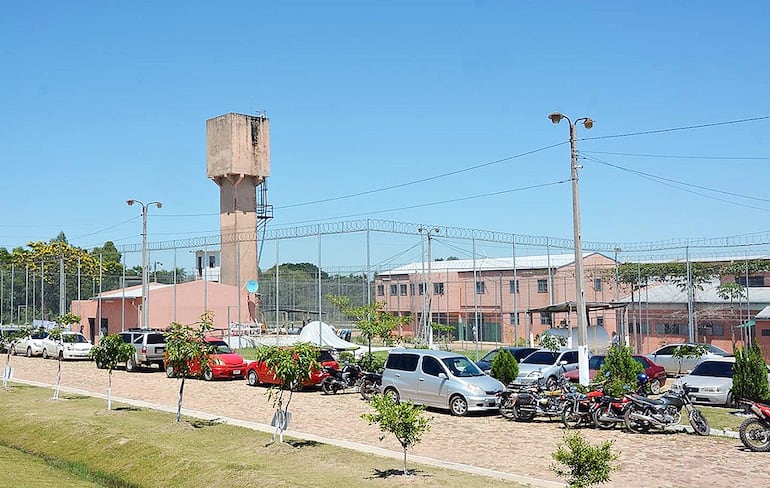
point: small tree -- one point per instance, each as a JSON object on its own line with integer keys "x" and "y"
{"x": 6, "y": 343}
{"x": 292, "y": 366}
{"x": 371, "y": 319}
{"x": 110, "y": 351}
{"x": 688, "y": 351}
{"x": 444, "y": 333}
{"x": 505, "y": 368}
{"x": 552, "y": 342}
{"x": 620, "y": 370}
{"x": 63, "y": 324}
{"x": 583, "y": 464}
{"x": 750, "y": 375}
{"x": 404, "y": 420}
{"x": 186, "y": 350}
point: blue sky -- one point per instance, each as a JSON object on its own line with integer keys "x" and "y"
{"x": 106, "y": 101}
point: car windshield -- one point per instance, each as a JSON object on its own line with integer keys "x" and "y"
{"x": 595, "y": 362}
{"x": 720, "y": 369}
{"x": 220, "y": 347}
{"x": 73, "y": 339}
{"x": 461, "y": 366}
{"x": 716, "y": 350}
{"x": 541, "y": 357}
{"x": 490, "y": 355}
{"x": 39, "y": 335}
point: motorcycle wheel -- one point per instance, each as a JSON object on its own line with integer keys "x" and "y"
{"x": 518, "y": 414}
{"x": 755, "y": 435}
{"x": 506, "y": 409}
{"x": 368, "y": 389}
{"x": 633, "y": 425}
{"x": 601, "y": 424}
{"x": 327, "y": 386}
{"x": 570, "y": 419}
{"x": 699, "y": 423}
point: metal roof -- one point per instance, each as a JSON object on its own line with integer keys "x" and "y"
{"x": 488, "y": 264}
{"x": 671, "y": 293}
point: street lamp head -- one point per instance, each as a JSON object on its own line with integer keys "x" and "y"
{"x": 130, "y": 202}
{"x": 556, "y": 117}
{"x": 159, "y": 205}
{"x": 588, "y": 123}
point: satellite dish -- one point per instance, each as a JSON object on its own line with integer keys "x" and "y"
{"x": 252, "y": 286}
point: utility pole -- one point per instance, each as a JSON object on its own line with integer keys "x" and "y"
{"x": 145, "y": 281}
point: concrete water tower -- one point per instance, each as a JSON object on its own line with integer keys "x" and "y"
{"x": 238, "y": 161}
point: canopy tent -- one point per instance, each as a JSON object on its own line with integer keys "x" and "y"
{"x": 322, "y": 334}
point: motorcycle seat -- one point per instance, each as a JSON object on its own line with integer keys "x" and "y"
{"x": 649, "y": 401}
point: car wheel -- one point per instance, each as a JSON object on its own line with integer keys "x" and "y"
{"x": 13, "y": 351}
{"x": 551, "y": 382}
{"x": 170, "y": 373}
{"x": 252, "y": 378}
{"x": 458, "y": 405}
{"x": 393, "y": 394}
{"x": 45, "y": 354}
{"x": 61, "y": 355}
{"x": 654, "y": 386}
{"x": 29, "y": 352}
{"x": 731, "y": 403}
{"x": 208, "y": 375}
{"x": 131, "y": 365}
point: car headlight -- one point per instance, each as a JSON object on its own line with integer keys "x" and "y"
{"x": 477, "y": 390}
{"x": 535, "y": 374}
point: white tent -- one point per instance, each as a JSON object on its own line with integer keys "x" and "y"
{"x": 321, "y": 333}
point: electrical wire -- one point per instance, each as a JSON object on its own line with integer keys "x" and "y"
{"x": 669, "y": 156}
{"x": 674, "y": 129}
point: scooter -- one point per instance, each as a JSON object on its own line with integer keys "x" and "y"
{"x": 350, "y": 377}
{"x": 755, "y": 431}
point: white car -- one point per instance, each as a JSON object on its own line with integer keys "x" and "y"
{"x": 31, "y": 345}
{"x": 546, "y": 365}
{"x": 66, "y": 345}
{"x": 711, "y": 382}
{"x": 675, "y": 366}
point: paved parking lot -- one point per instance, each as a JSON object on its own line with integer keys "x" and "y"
{"x": 488, "y": 441}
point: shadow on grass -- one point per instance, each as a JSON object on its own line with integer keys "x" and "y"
{"x": 73, "y": 397}
{"x": 299, "y": 444}
{"x": 127, "y": 409}
{"x": 199, "y": 424}
{"x": 388, "y": 473}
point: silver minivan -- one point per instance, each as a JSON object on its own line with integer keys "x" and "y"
{"x": 439, "y": 379}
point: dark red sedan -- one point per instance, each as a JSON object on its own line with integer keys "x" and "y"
{"x": 657, "y": 374}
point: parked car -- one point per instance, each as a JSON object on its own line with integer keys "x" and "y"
{"x": 485, "y": 363}
{"x": 257, "y": 372}
{"x": 654, "y": 372}
{"x": 150, "y": 345}
{"x": 711, "y": 382}
{"x": 439, "y": 379}
{"x": 675, "y": 366}
{"x": 31, "y": 345}
{"x": 548, "y": 365}
{"x": 224, "y": 362}
{"x": 5, "y": 337}
{"x": 66, "y": 345}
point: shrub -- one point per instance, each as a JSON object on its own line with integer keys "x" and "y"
{"x": 505, "y": 368}
{"x": 583, "y": 464}
{"x": 372, "y": 362}
{"x": 750, "y": 375}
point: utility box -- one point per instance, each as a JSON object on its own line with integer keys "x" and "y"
{"x": 238, "y": 144}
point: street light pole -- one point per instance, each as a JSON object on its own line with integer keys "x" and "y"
{"x": 429, "y": 287}
{"x": 580, "y": 301}
{"x": 145, "y": 283}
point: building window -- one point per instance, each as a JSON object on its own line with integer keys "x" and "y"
{"x": 754, "y": 281}
{"x": 212, "y": 261}
{"x": 670, "y": 329}
{"x": 542, "y": 286}
{"x": 380, "y": 290}
{"x": 600, "y": 321}
{"x": 513, "y": 286}
{"x": 545, "y": 318}
{"x": 597, "y": 284}
{"x": 515, "y": 318}
{"x": 480, "y": 288}
{"x": 422, "y": 288}
{"x": 438, "y": 288}
{"x": 393, "y": 289}
{"x": 765, "y": 332}
{"x": 411, "y": 289}
{"x": 402, "y": 290}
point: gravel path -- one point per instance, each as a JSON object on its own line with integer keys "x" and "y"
{"x": 488, "y": 441}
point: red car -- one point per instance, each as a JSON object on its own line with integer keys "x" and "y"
{"x": 657, "y": 374}
{"x": 258, "y": 373}
{"x": 224, "y": 362}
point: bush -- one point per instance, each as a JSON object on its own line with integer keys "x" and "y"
{"x": 750, "y": 375}
{"x": 620, "y": 370}
{"x": 581, "y": 463}
{"x": 372, "y": 362}
{"x": 505, "y": 368}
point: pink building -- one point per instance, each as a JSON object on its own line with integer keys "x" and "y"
{"x": 182, "y": 303}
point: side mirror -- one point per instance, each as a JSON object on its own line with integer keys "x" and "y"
{"x": 562, "y": 362}
{"x": 443, "y": 376}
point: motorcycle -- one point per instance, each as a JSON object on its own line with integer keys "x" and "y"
{"x": 538, "y": 401}
{"x": 578, "y": 408}
{"x": 608, "y": 411}
{"x": 644, "y": 413}
{"x": 349, "y": 377}
{"x": 755, "y": 431}
{"x": 371, "y": 384}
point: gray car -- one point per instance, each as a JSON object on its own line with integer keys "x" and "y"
{"x": 547, "y": 365}
{"x": 150, "y": 345}
{"x": 439, "y": 379}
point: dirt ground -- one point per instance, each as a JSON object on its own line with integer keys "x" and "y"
{"x": 488, "y": 441}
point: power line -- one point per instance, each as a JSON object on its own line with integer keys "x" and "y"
{"x": 674, "y": 129}
{"x": 669, "y": 156}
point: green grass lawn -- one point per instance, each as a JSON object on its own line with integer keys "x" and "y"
{"x": 76, "y": 442}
